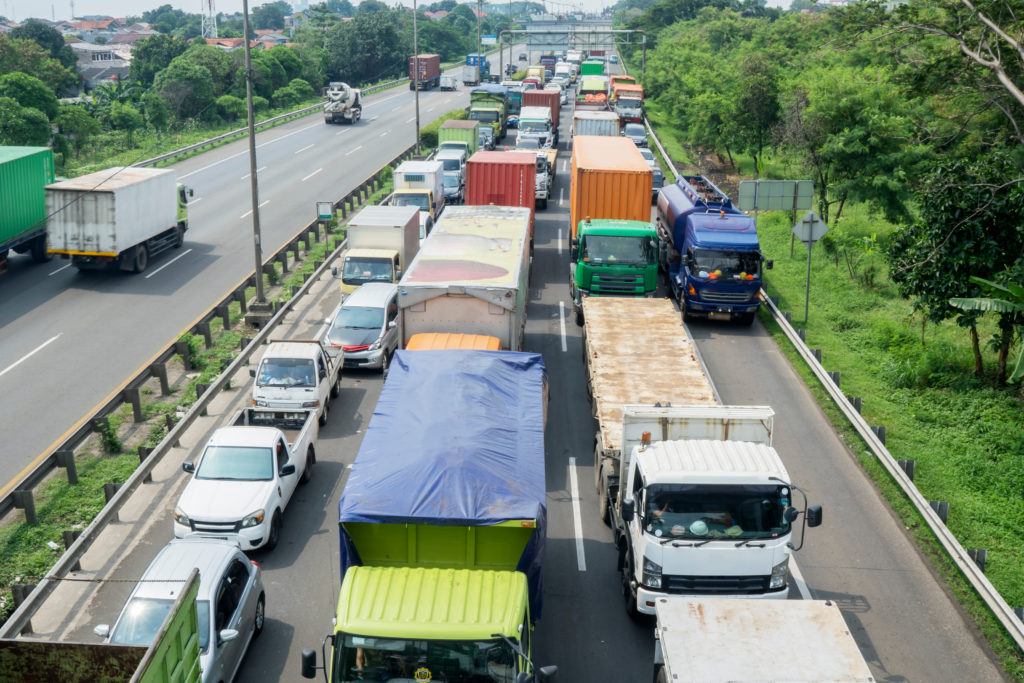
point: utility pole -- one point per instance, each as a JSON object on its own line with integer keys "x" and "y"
{"x": 416, "y": 72}
{"x": 253, "y": 183}
{"x": 479, "y": 11}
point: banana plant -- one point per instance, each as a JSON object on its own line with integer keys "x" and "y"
{"x": 1012, "y": 304}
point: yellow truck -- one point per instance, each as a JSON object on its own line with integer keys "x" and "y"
{"x": 382, "y": 242}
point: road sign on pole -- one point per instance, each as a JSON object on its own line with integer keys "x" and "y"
{"x": 809, "y": 230}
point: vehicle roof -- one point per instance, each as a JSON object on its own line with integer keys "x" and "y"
{"x": 598, "y": 115}
{"x": 292, "y": 349}
{"x": 609, "y": 226}
{"x": 384, "y": 215}
{"x": 460, "y": 123}
{"x": 711, "y": 462}
{"x": 436, "y": 341}
{"x": 451, "y": 153}
{"x": 166, "y": 574}
{"x": 13, "y": 152}
{"x": 111, "y": 178}
{"x": 371, "y": 294}
{"x": 724, "y": 230}
{"x": 485, "y": 156}
{"x": 418, "y": 167}
{"x": 534, "y": 111}
{"x": 442, "y": 604}
{"x": 607, "y": 153}
{"x": 254, "y": 437}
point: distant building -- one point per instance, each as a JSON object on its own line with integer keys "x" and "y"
{"x": 99, "y": 63}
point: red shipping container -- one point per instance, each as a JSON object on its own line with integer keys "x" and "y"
{"x": 429, "y": 70}
{"x": 503, "y": 179}
{"x": 544, "y": 98}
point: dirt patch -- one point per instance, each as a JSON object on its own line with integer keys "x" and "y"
{"x": 713, "y": 166}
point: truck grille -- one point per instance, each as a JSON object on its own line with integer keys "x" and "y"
{"x": 215, "y": 527}
{"x": 617, "y": 284}
{"x": 725, "y": 297}
{"x": 716, "y": 585}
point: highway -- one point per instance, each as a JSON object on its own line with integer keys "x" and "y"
{"x": 906, "y": 624}
{"x": 59, "y": 324}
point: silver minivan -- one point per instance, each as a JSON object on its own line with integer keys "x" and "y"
{"x": 365, "y": 326}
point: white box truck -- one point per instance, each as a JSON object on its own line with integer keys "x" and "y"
{"x": 754, "y": 641}
{"x": 420, "y": 184}
{"x": 382, "y": 241}
{"x": 117, "y": 218}
{"x": 470, "y": 276}
{"x": 595, "y": 123}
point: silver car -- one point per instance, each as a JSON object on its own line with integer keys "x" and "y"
{"x": 231, "y": 603}
{"x": 636, "y": 132}
{"x": 365, "y": 326}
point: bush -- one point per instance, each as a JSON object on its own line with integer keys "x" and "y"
{"x": 260, "y": 103}
{"x": 231, "y": 107}
{"x": 428, "y": 133}
{"x": 302, "y": 88}
{"x": 285, "y": 97}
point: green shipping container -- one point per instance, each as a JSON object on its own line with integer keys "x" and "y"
{"x": 24, "y": 173}
{"x": 589, "y": 68}
{"x": 458, "y": 130}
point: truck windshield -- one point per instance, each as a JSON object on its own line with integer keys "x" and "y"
{"x": 534, "y": 126}
{"x": 486, "y": 116}
{"x": 287, "y": 372}
{"x": 420, "y": 201}
{"x": 528, "y": 142}
{"x": 359, "y": 270}
{"x": 236, "y": 463}
{"x": 628, "y": 105}
{"x": 613, "y": 249}
{"x": 726, "y": 265}
{"x": 379, "y": 659}
{"x": 706, "y": 511}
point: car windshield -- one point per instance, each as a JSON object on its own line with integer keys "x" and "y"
{"x": 378, "y": 659}
{"x": 286, "y": 372}
{"x": 726, "y": 265}
{"x": 236, "y": 463}
{"x": 358, "y": 318}
{"x": 647, "y": 154}
{"x": 542, "y": 165}
{"x": 420, "y": 201}
{"x": 618, "y": 249}
{"x": 451, "y": 180}
{"x": 360, "y": 270}
{"x": 708, "y": 511}
{"x": 635, "y": 130}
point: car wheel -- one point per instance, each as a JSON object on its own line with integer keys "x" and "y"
{"x": 275, "y": 531}
{"x": 307, "y": 473}
{"x": 385, "y": 365}
{"x": 336, "y": 387}
{"x": 322, "y": 420}
{"x": 259, "y": 617}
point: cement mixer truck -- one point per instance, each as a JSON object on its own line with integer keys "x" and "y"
{"x": 343, "y": 104}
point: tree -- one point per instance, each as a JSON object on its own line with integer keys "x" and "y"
{"x": 125, "y": 117}
{"x": 28, "y": 57}
{"x": 303, "y": 89}
{"x": 77, "y": 125}
{"x": 285, "y": 97}
{"x": 115, "y": 91}
{"x": 186, "y": 88}
{"x": 155, "y": 110}
{"x": 220, "y": 65}
{"x": 278, "y": 77}
{"x": 756, "y": 105}
{"x": 1010, "y": 309}
{"x": 371, "y": 6}
{"x": 366, "y": 49}
{"x": 341, "y": 7}
{"x": 230, "y": 107}
{"x": 288, "y": 60}
{"x": 49, "y": 39}
{"x": 29, "y": 91}
{"x": 22, "y": 125}
{"x": 271, "y": 15}
{"x": 152, "y": 55}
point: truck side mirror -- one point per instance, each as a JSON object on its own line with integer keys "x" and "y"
{"x": 252, "y": 372}
{"x": 628, "y": 510}
{"x": 574, "y": 242}
{"x": 769, "y": 263}
{"x": 546, "y": 673}
{"x": 189, "y": 467}
{"x": 287, "y": 470}
{"x": 309, "y": 666}
{"x": 814, "y": 515}
{"x": 398, "y": 273}
{"x": 334, "y": 272}
{"x": 191, "y": 192}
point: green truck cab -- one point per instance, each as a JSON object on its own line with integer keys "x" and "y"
{"x": 612, "y": 258}
{"x": 490, "y": 109}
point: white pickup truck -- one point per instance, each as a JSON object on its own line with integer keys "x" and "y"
{"x": 297, "y": 375}
{"x": 245, "y": 477}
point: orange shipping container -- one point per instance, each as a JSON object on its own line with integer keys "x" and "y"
{"x": 610, "y": 179}
{"x": 435, "y": 341}
{"x": 503, "y": 179}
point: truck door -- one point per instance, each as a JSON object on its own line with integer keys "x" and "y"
{"x": 324, "y": 379}
{"x": 286, "y": 485}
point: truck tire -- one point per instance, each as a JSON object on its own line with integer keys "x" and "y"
{"x": 322, "y": 420}
{"x": 179, "y": 236}
{"x": 275, "y": 531}
{"x": 307, "y": 473}
{"x": 141, "y": 259}
{"x": 660, "y": 676}
{"x": 626, "y": 572}
{"x": 748, "y": 318}
{"x": 579, "y": 316}
{"x": 603, "y": 502}
{"x": 39, "y": 253}
{"x": 336, "y": 387}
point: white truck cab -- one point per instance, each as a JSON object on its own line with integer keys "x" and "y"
{"x": 297, "y": 375}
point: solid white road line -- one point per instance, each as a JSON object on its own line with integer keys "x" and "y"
{"x": 343, "y": 130}
{"x": 798, "y": 579}
{"x": 249, "y": 212}
{"x": 168, "y": 263}
{"x": 300, "y": 151}
{"x": 561, "y": 322}
{"x": 29, "y": 354}
{"x": 559, "y": 240}
{"x": 353, "y": 151}
{"x": 577, "y": 518}
{"x": 374, "y": 118}
{"x": 60, "y": 269}
{"x": 312, "y": 174}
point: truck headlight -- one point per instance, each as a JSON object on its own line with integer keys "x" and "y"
{"x": 311, "y": 404}
{"x": 652, "y": 574}
{"x": 778, "y": 580}
{"x": 260, "y": 403}
{"x": 255, "y": 519}
{"x": 180, "y": 517}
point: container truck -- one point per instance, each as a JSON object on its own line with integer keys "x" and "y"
{"x": 549, "y": 99}
{"x": 442, "y": 524}
{"x": 628, "y": 103}
{"x": 382, "y": 242}
{"x": 488, "y": 105}
{"x": 536, "y": 72}
{"x": 709, "y": 251}
{"x": 617, "y": 79}
{"x": 24, "y": 173}
{"x": 595, "y": 123}
{"x": 424, "y": 72}
{"x": 535, "y": 122}
{"x": 764, "y": 640}
{"x": 449, "y": 82}
{"x": 612, "y": 258}
{"x": 117, "y": 218}
{"x": 172, "y": 657}
{"x": 592, "y": 93}
{"x": 454, "y": 133}
{"x": 503, "y": 179}
{"x": 482, "y": 65}
{"x": 548, "y": 61}
{"x": 699, "y": 502}
{"x": 342, "y": 104}
{"x": 515, "y": 101}
{"x": 471, "y": 276}
{"x": 610, "y": 179}
{"x": 592, "y": 67}
{"x": 420, "y": 184}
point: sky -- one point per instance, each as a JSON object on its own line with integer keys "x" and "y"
{"x": 19, "y": 10}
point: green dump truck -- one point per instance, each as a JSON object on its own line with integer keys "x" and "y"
{"x": 172, "y": 658}
{"x": 463, "y": 431}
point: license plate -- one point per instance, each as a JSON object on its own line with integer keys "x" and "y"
{"x": 721, "y": 315}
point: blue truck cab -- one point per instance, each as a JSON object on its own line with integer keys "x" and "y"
{"x": 709, "y": 251}
{"x": 480, "y": 61}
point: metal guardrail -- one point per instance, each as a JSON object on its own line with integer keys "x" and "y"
{"x": 967, "y": 566}
{"x": 20, "y": 619}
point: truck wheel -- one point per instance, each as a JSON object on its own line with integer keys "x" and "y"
{"x": 579, "y": 316}
{"x": 275, "y": 531}
{"x": 603, "y": 503}
{"x": 748, "y": 318}
{"x": 141, "y": 258}
{"x": 260, "y": 617}
{"x": 322, "y": 420}
{"x": 336, "y": 387}
{"x": 307, "y": 473}
{"x": 625, "y": 571}
{"x": 179, "y": 236}
{"x": 39, "y": 254}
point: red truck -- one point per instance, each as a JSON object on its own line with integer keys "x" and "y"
{"x": 545, "y": 98}
{"x": 503, "y": 179}
{"x": 426, "y": 69}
